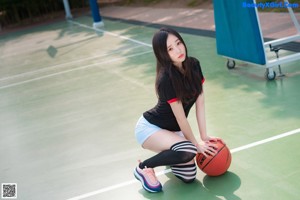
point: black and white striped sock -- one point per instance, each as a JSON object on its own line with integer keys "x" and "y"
{"x": 179, "y": 153}
{"x": 186, "y": 173}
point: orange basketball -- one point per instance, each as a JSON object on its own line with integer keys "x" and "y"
{"x": 216, "y": 165}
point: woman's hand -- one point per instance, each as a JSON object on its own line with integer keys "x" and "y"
{"x": 214, "y": 139}
{"x": 207, "y": 148}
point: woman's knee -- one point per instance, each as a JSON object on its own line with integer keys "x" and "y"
{"x": 186, "y": 150}
{"x": 186, "y": 173}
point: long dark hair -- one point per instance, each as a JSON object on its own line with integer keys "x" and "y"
{"x": 184, "y": 87}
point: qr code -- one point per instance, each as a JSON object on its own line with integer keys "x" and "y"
{"x": 9, "y": 191}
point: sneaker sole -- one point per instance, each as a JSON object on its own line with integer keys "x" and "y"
{"x": 141, "y": 179}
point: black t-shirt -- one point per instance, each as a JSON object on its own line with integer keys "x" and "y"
{"x": 162, "y": 115}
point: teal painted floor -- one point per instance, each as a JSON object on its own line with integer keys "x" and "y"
{"x": 70, "y": 98}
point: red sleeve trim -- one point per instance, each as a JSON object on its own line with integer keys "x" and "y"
{"x": 203, "y": 80}
{"x": 172, "y": 100}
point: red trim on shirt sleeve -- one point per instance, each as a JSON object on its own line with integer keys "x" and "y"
{"x": 203, "y": 80}
{"x": 172, "y": 100}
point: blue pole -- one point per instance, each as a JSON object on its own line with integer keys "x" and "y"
{"x": 96, "y": 14}
{"x": 67, "y": 9}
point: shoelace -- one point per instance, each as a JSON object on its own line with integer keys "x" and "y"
{"x": 150, "y": 173}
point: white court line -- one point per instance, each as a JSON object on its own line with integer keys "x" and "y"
{"x": 63, "y": 64}
{"x": 71, "y": 70}
{"x": 78, "y": 24}
{"x": 270, "y": 139}
{"x": 111, "y": 33}
{"x": 248, "y": 146}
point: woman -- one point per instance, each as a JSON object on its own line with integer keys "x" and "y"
{"x": 165, "y": 129}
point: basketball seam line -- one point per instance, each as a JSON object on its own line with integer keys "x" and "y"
{"x": 214, "y": 156}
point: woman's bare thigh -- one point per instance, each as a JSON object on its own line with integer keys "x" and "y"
{"x": 162, "y": 140}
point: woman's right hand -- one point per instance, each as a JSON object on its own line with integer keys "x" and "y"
{"x": 207, "y": 148}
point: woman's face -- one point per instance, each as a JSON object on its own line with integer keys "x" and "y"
{"x": 176, "y": 50}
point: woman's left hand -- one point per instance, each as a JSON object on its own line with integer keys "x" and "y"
{"x": 212, "y": 138}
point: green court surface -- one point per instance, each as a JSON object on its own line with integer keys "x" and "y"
{"x": 70, "y": 98}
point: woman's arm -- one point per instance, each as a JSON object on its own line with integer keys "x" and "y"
{"x": 203, "y": 147}
{"x": 200, "y": 114}
{"x": 182, "y": 121}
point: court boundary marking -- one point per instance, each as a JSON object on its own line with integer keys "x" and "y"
{"x": 235, "y": 150}
{"x": 56, "y": 66}
{"x": 79, "y": 68}
{"x": 71, "y": 70}
{"x": 110, "y": 33}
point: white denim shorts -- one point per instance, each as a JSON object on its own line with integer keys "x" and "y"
{"x": 144, "y": 129}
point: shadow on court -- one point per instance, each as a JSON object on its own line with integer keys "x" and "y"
{"x": 224, "y": 186}
{"x": 212, "y": 188}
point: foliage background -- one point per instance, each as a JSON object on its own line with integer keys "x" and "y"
{"x": 17, "y": 12}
